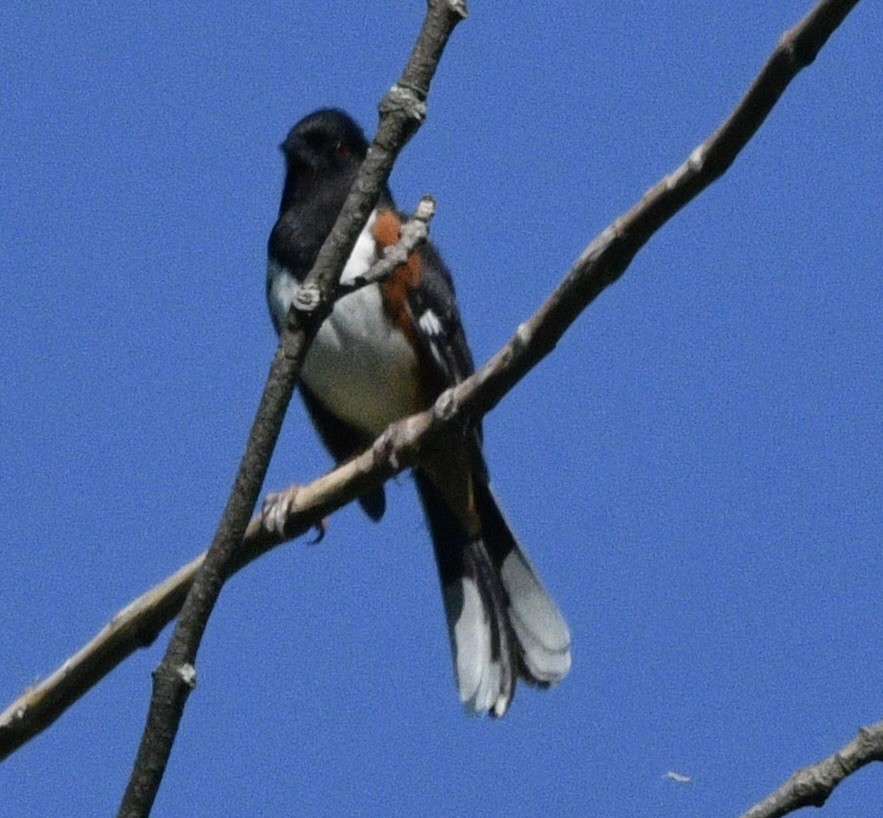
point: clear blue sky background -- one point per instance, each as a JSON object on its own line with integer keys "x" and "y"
{"x": 696, "y": 471}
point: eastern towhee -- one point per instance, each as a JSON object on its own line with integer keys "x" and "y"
{"x": 386, "y": 351}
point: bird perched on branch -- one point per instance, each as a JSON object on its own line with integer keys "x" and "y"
{"x": 388, "y": 350}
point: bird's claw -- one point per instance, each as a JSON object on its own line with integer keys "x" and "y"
{"x": 321, "y": 530}
{"x": 279, "y": 507}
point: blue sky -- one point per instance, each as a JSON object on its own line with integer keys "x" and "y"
{"x": 696, "y": 471}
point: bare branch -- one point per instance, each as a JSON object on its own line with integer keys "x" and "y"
{"x": 140, "y": 622}
{"x": 135, "y": 626}
{"x": 599, "y": 265}
{"x": 811, "y": 786}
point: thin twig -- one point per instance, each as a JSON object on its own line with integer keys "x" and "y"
{"x": 414, "y": 232}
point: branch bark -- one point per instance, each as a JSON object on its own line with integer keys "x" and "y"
{"x": 811, "y": 786}
{"x": 603, "y": 261}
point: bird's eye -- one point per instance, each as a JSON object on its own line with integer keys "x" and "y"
{"x": 340, "y": 150}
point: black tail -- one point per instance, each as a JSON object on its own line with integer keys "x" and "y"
{"x": 501, "y": 621}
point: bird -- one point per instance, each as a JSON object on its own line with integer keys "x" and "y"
{"x": 388, "y": 350}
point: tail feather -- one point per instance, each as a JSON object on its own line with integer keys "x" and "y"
{"x": 479, "y": 630}
{"x": 541, "y": 630}
{"x": 502, "y": 623}
{"x": 481, "y": 641}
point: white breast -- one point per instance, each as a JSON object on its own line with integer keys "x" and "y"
{"x": 359, "y": 365}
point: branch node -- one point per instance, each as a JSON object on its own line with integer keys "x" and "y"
{"x": 307, "y": 297}
{"x": 187, "y": 674}
{"x": 696, "y": 159}
{"x": 406, "y": 99}
{"x": 458, "y": 7}
{"x": 796, "y": 56}
{"x": 425, "y": 209}
{"x": 522, "y": 338}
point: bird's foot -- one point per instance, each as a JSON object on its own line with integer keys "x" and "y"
{"x": 279, "y": 507}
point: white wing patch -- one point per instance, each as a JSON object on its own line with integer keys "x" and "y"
{"x": 430, "y": 324}
{"x": 432, "y": 329}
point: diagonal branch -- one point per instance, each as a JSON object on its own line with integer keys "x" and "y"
{"x": 811, "y": 786}
{"x": 599, "y": 265}
{"x": 139, "y": 623}
{"x": 401, "y": 113}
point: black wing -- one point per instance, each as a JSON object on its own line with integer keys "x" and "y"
{"x": 440, "y": 333}
{"x": 439, "y": 330}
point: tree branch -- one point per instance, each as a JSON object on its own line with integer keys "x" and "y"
{"x": 603, "y": 261}
{"x": 401, "y": 113}
{"x": 811, "y": 786}
{"x": 139, "y": 623}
